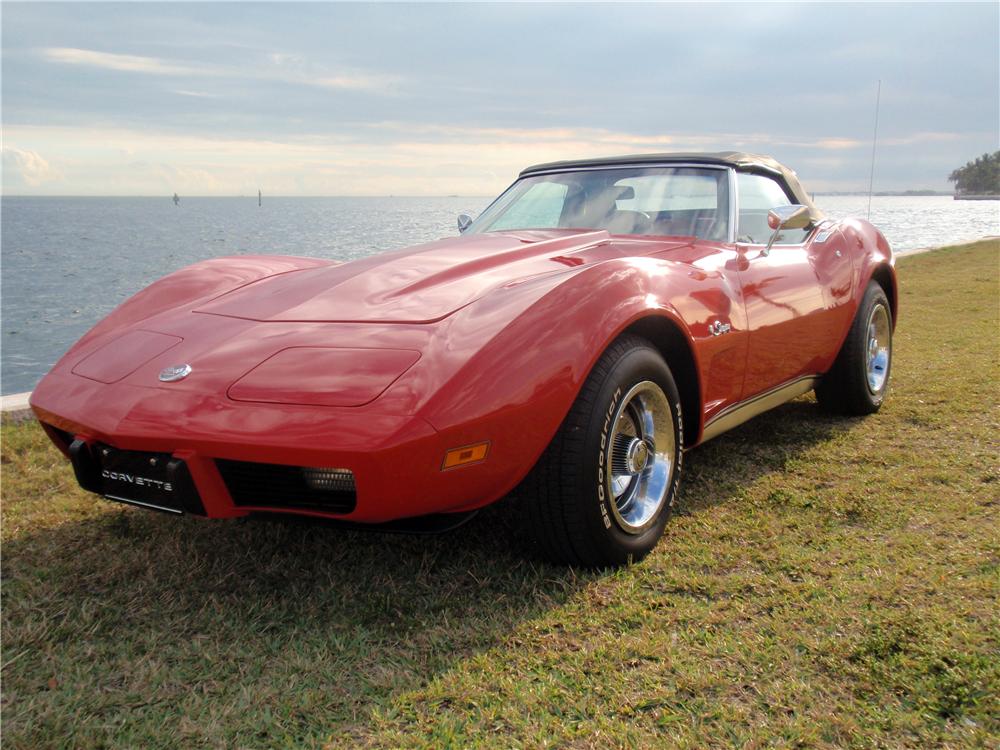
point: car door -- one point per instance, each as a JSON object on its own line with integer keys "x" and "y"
{"x": 796, "y": 296}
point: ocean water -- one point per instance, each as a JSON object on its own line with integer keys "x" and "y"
{"x": 67, "y": 262}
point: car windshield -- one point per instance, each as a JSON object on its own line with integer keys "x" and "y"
{"x": 684, "y": 201}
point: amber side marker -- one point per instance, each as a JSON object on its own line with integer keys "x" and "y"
{"x": 467, "y": 454}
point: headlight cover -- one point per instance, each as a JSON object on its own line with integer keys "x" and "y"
{"x": 321, "y": 376}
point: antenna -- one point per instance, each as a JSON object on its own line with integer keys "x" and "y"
{"x": 871, "y": 177}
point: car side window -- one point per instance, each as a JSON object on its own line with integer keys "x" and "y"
{"x": 539, "y": 208}
{"x": 758, "y": 195}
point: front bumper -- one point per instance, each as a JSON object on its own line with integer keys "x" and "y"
{"x": 396, "y": 460}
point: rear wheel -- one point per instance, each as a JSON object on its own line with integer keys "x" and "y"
{"x": 859, "y": 379}
{"x": 602, "y": 492}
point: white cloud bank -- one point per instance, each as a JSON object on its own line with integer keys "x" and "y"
{"x": 113, "y": 61}
{"x": 284, "y": 68}
{"x": 388, "y": 159}
{"x": 23, "y": 168}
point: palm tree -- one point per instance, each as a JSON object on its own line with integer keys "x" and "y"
{"x": 979, "y": 177}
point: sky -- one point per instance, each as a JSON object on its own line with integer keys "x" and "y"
{"x": 454, "y": 99}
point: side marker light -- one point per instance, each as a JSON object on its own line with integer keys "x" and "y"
{"x": 467, "y": 454}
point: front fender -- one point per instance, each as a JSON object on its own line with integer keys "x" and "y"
{"x": 195, "y": 283}
{"x": 526, "y": 351}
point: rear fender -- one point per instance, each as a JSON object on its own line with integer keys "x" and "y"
{"x": 874, "y": 259}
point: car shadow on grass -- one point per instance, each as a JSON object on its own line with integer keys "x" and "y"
{"x": 130, "y": 626}
{"x": 715, "y": 471}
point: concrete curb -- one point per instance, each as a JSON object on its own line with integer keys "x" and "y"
{"x": 15, "y": 407}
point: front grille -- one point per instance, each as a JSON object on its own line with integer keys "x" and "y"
{"x": 288, "y": 487}
{"x": 150, "y": 480}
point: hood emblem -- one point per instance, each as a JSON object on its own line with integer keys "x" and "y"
{"x": 174, "y": 373}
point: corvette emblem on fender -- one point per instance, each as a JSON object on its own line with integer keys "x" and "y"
{"x": 174, "y": 373}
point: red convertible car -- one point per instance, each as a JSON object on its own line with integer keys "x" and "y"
{"x": 598, "y": 319}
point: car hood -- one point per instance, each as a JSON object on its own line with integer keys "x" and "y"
{"x": 421, "y": 284}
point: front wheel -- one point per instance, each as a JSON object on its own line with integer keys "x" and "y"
{"x": 859, "y": 379}
{"x": 602, "y": 492}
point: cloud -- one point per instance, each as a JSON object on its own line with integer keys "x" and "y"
{"x": 389, "y": 158}
{"x": 113, "y": 61}
{"x": 345, "y": 97}
{"x": 282, "y": 68}
{"x": 355, "y": 82}
{"x": 27, "y": 168}
{"x": 838, "y": 144}
{"x": 375, "y": 99}
{"x": 915, "y": 138}
{"x": 621, "y": 142}
{"x": 196, "y": 94}
{"x": 285, "y": 59}
{"x": 426, "y": 159}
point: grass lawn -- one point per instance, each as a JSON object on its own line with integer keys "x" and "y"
{"x": 827, "y": 582}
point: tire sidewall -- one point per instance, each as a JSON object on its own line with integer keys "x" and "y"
{"x": 618, "y": 546}
{"x": 874, "y": 296}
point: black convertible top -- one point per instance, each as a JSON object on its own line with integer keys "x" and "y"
{"x": 743, "y": 162}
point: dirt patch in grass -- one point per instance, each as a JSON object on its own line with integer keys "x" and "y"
{"x": 827, "y": 582}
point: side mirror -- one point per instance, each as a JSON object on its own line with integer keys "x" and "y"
{"x": 464, "y": 222}
{"x": 786, "y": 217}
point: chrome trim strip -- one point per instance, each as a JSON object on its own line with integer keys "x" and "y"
{"x": 734, "y": 206}
{"x": 145, "y": 505}
{"x": 737, "y": 414}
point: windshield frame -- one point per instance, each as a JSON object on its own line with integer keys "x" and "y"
{"x": 731, "y": 180}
